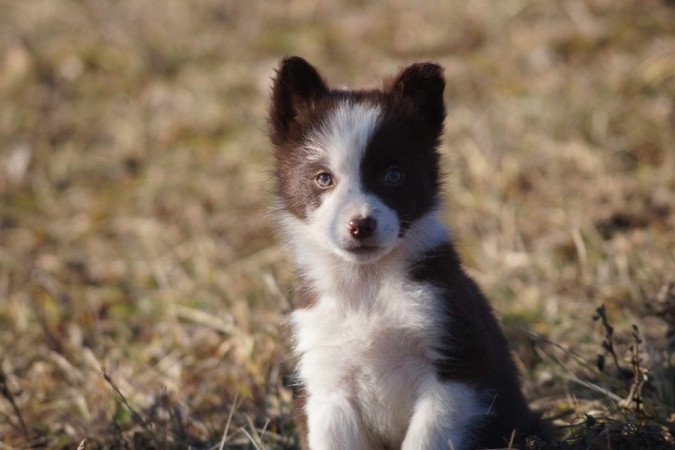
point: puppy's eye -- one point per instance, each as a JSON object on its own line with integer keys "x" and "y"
{"x": 393, "y": 176}
{"x": 324, "y": 180}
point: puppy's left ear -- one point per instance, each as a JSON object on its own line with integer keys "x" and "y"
{"x": 423, "y": 85}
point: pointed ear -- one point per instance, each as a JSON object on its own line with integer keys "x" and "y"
{"x": 423, "y": 85}
{"x": 297, "y": 87}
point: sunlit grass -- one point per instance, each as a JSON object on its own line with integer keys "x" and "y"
{"x": 135, "y": 238}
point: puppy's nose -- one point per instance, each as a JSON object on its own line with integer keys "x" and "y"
{"x": 361, "y": 227}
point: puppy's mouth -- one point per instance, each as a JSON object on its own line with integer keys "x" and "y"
{"x": 363, "y": 253}
{"x": 362, "y": 249}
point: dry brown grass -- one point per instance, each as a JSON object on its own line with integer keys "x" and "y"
{"x": 133, "y": 191}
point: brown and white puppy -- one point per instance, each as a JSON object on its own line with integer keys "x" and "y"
{"x": 397, "y": 347}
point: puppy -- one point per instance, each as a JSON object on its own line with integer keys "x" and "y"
{"x": 397, "y": 347}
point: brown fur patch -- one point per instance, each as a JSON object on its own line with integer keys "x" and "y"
{"x": 299, "y": 404}
{"x": 475, "y": 350}
{"x": 406, "y": 143}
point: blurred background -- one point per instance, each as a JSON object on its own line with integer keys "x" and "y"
{"x": 143, "y": 287}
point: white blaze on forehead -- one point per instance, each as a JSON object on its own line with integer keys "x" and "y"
{"x": 340, "y": 145}
{"x": 342, "y": 139}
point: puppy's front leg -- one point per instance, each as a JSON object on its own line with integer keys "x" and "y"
{"x": 334, "y": 423}
{"x": 443, "y": 416}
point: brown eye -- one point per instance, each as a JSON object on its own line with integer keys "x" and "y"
{"x": 393, "y": 176}
{"x": 324, "y": 180}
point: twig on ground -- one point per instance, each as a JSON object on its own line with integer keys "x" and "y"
{"x": 229, "y": 421}
{"x": 255, "y": 437}
{"x": 608, "y": 342}
{"x": 594, "y": 387}
{"x": 7, "y": 393}
{"x": 635, "y": 400}
{"x": 251, "y": 439}
{"x": 136, "y": 415}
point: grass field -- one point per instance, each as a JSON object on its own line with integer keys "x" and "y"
{"x": 143, "y": 287}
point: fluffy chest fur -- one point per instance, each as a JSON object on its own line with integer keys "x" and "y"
{"x": 377, "y": 349}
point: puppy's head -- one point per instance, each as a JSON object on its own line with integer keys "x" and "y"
{"x": 356, "y": 168}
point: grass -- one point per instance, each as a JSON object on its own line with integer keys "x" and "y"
{"x": 143, "y": 289}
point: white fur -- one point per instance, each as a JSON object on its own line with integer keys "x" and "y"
{"x": 364, "y": 348}
{"x": 444, "y": 415}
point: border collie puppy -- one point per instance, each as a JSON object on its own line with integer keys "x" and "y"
{"x": 397, "y": 346}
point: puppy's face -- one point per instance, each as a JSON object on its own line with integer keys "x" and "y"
{"x": 355, "y": 169}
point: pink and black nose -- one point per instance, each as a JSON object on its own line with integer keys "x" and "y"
{"x": 361, "y": 227}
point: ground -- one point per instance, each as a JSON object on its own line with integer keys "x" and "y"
{"x": 143, "y": 286}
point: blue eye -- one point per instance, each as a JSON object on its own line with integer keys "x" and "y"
{"x": 393, "y": 176}
{"x": 324, "y": 180}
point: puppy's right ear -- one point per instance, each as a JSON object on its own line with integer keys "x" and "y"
{"x": 297, "y": 87}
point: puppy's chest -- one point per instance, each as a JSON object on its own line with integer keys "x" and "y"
{"x": 376, "y": 352}
{"x": 359, "y": 340}
{"x": 381, "y": 324}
